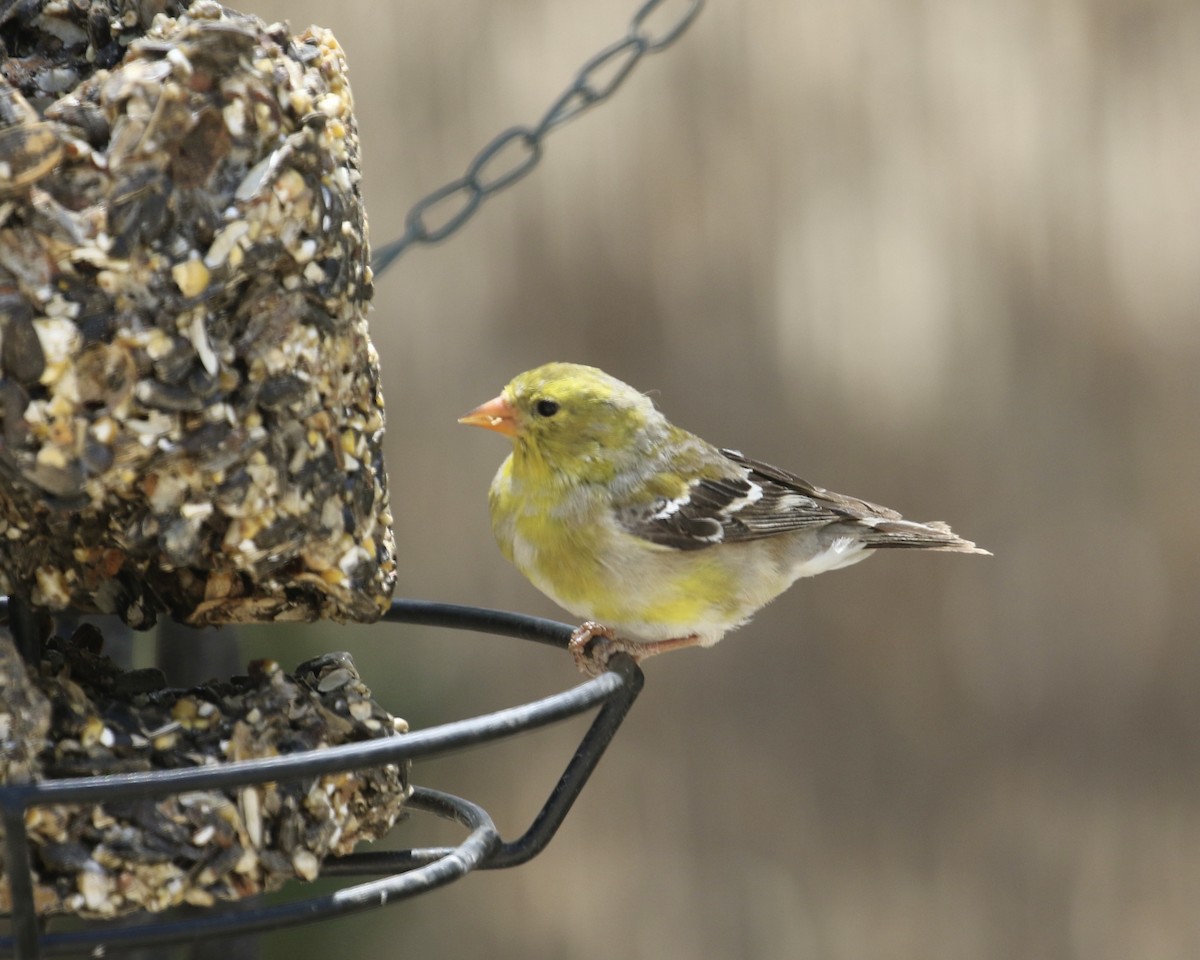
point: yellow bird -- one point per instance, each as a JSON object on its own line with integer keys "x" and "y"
{"x": 654, "y": 536}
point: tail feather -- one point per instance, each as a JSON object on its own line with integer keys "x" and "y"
{"x": 884, "y": 532}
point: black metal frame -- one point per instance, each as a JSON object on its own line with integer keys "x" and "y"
{"x": 409, "y": 872}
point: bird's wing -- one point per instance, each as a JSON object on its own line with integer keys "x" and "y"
{"x": 749, "y": 501}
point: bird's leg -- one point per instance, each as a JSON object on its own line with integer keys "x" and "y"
{"x": 592, "y": 644}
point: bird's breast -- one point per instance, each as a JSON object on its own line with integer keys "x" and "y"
{"x": 557, "y": 541}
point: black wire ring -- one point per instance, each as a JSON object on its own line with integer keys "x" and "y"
{"x": 411, "y": 871}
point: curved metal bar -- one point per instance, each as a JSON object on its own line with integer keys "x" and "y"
{"x": 411, "y": 871}
{"x": 432, "y": 613}
{"x": 420, "y": 743}
{"x": 452, "y": 864}
{"x": 417, "y": 743}
{"x": 547, "y": 821}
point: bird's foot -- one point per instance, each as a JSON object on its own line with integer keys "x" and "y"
{"x": 593, "y": 644}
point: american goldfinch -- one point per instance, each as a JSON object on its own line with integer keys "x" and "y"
{"x": 659, "y": 539}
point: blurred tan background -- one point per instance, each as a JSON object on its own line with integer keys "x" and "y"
{"x": 942, "y": 255}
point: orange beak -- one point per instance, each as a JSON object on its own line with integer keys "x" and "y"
{"x": 498, "y": 415}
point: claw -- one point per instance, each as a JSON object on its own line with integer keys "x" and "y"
{"x": 591, "y": 657}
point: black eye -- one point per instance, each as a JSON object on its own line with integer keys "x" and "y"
{"x": 546, "y": 408}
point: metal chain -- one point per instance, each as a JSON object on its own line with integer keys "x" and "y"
{"x": 595, "y": 82}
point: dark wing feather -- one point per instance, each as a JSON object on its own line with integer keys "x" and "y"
{"x": 837, "y": 505}
{"x": 756, "y": 502}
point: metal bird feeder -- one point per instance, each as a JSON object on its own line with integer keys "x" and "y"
{"x": 401, "y": 874}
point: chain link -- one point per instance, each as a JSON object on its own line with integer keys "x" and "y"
{"x": 596, "y": 81}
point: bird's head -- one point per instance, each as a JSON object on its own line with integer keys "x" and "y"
{"x": 572, "y": 417}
